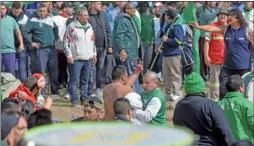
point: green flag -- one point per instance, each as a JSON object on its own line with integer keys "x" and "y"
{"x": 189, "y": 14}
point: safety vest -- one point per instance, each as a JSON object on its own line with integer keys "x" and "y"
{"x": 217, "y": 47}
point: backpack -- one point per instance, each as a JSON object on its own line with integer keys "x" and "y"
{"x": 186, "y": 47}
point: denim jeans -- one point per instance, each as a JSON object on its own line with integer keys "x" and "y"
{"x": 97, "y": 75}
{"x": 79, "y": 71}
{"x": 8, "y": 62}
{"x": 46, "y": 59}
{"x": 22, "y": 65}
{"x": 131, "y": 65}
{"x": 147, "y": 52}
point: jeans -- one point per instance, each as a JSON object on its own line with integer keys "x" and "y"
{"x": 225, "y": 73}
{"x": 147, "y": 52}
{"x": 22, "y": 65}
{"x": 97, "y": 74}
{"x": 42, "y": 59}
{"x": 79, "y": 71}
{"x": 8, "y": 62}
{"x": 62, "y": 66}
{"x": 131, "y": 65}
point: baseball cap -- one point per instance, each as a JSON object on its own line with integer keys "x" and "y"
{"x": 66, "y": 4}
{"x": 94, "y": 102}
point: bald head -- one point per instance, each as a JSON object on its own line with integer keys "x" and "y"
{"x": 151, "y": 76}
{"x": 150, "y": 82}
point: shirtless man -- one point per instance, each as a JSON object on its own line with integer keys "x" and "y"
{"x": 120, "y": 87}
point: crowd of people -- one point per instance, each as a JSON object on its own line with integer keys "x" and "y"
{"x": 112, "y": 48}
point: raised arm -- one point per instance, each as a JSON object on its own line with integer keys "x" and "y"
{"x": 209, "y": 27}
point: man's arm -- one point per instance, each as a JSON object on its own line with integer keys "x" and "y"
{"x": 55, "y": 30}
{"x": 178, "y": 37}
{"x": 20, "y": 38}
{"x": 250, "y": 36}
{"x": 25, "y": 32}
{"x": 221, "y": 125}
{"x": 249, "y": 115}
{"x": 150, "y": 112}
{"x": 209, "y": 28}
{"x": 132, "y": 78}
{"x": 108, "y": 31}
{"x": 206, "y": 49}
{"x": 67, "y": 40}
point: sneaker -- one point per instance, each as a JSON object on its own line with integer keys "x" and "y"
{"x": 176, "y": 97}
{"x": 55, "y": 96}
{"x": 169, "y": 97}
{"x": 75, "y": 105}
{"x": 67, "y": 96}
{"x": 93, "y": 95}
{"x": 160, "y": 76}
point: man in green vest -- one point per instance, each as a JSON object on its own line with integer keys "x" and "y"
{"x": 154, "y": 103}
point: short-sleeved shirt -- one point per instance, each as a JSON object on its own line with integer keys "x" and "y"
{"x": 8, "y": 29}
{"x": 207, "y": 36}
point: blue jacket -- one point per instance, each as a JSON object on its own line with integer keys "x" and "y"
{"x": 175, "y": 36}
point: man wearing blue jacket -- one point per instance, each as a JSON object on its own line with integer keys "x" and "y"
{"x": 171, "y": 64}
{"x": 41, "y": 45}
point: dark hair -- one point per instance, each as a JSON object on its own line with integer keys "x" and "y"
{"x": 3, "y": 4}
{"x": 16, "y": 5}
{"x": 126, "y": 6}
{"x": 142, "y": 3}
{"x": 40, "y": 117}
{"x": 173, "y": 4}
{"x": 234, "y": 83}
{"x": 121, "y": 106}
{"x": 30, "y": 83}
{"x": 9, "y": 105}
{"x": 42, "y": 6}
{"x": 117, "y": 72}
{"x": 238, "y": 13}
{"x": 27, "y": 108}
{"x": 242, "y": 143}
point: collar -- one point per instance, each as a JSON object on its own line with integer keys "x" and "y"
{"x": 234, "y": 94}
{"x": 64, "y": 15}
{"x": 122, "y": 118}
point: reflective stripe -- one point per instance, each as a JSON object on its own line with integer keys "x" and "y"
{"x": 218, "y": 38}
{"x": 214, "y": 84}
{"x": 178, "y": 41}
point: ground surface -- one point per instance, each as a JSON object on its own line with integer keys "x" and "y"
{"x": 63, "y": 112}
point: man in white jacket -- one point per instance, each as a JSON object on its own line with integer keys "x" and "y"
{"x": 80, "y": 51}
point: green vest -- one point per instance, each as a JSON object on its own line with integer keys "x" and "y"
{"x": 160, "y": 118}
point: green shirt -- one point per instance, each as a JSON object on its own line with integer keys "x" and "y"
{"x": 8, "y": 29}
{"x": 239, "y": 112}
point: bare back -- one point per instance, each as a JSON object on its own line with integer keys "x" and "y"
{"x": 111, "y": 93}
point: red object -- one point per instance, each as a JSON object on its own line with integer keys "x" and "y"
{"x": 217, "y": 47}
{"x": 30, "y": 95}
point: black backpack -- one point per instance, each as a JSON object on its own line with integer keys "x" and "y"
{"x": 186, "y": 47}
